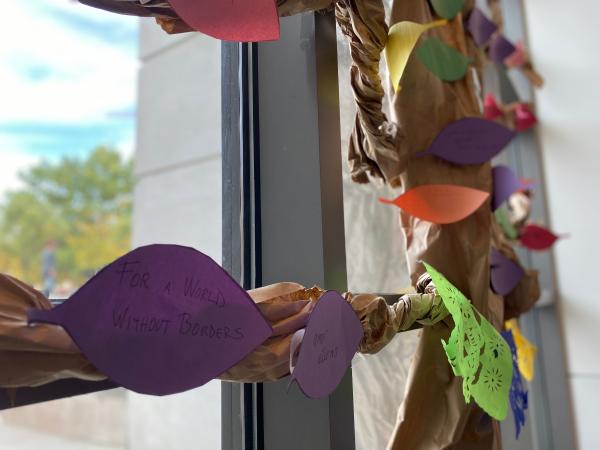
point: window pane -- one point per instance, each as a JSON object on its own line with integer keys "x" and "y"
{"x": 376, "y": 262}
{"x": 106, "y": 170}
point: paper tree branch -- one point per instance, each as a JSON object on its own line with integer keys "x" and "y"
{"x": 33, "y": 356}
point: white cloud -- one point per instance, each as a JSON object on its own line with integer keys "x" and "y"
{"x": 61, "y": 63}
{"x": 127, "y": 146}
{"x": 86, "y": 78}
{"x": 13, "y": 162}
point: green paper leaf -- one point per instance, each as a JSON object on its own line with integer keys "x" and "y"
{"x": 504, "y": 222}
{"x": 476, "y": 351}
{"x": 447, "y": 8}
{"x": 442, "y": 60}
{"x": 493, "y": 384}
{"x": 465, "y": 343}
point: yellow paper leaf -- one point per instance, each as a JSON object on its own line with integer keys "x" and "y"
{"x": 526, "y": 351}
{"x": 402, "y": 38}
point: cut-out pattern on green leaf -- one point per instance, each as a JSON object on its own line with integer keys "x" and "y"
{"x": 493, "y": 386}
{"x": 447, "y": 8}
{"x": 442, "y": 60}
{"x": 476, "y": 351}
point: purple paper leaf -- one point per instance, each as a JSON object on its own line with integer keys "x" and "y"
{"x": 505, "y": 274}
{"x": 500, "y": 49}
{"x": 328, "y": 346}
{"x": 480, "y": 27}
{"x": 470, "y": 141}
{"x": 160, "y": 320}
{"x": 506, "y": 183}
{"x": 518, "y": 395}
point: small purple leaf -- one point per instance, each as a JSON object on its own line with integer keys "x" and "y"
{"x": 500, "y": 49}
{"x": 328, "y": 346}
{"x": 506, "y": 183}
{"x": 470, "y": 141}
{"x": 480, "y": 27}
{"x": 505, "y": 274}
{"x": 161, "y": 319}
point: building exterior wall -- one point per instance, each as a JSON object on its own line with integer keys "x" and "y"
{"x": 178, "y": 201}
{"x": 563, "y": 38}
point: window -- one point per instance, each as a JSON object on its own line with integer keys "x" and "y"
{"x": 275, "y": 205}
{"x": 168, "y": 188}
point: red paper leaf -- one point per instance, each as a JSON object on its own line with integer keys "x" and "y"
{"x": 231, "y": 20}
{"x": 524, "y": 117}
{"x": 491, "y": 110}
{"x": 440, "y": 203}
{"x": 535, "y": 237}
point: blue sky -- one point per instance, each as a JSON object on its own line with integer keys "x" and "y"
{"x": 67, "y": 82}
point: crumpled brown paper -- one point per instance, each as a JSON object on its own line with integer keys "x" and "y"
{"x": 373, "y": 146}
{"x": 32, "y": 356}
{"x": 171, "y": 23}
{"x": 381, "y": 322}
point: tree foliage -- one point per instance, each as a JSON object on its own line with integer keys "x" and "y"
{"x": 83, "y": 204}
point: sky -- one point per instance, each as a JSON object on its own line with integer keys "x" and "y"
{"x": 67, "y": 82}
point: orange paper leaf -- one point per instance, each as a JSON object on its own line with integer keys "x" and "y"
{"x": 440, "y": 203}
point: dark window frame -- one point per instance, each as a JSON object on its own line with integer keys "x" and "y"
{"x": 289, "y": 167}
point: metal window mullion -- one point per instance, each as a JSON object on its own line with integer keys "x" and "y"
{"x": 241, "y": 403}
{"x": 302, "y": 209}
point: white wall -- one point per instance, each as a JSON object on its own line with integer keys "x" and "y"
{"x": 178, "y": 201}
{"x": 563, "y": 40}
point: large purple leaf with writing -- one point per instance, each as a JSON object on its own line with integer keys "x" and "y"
{"x": 470, "y": 141}
{"x": 329, "y": 344}
{"x": 160, "y": 320}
